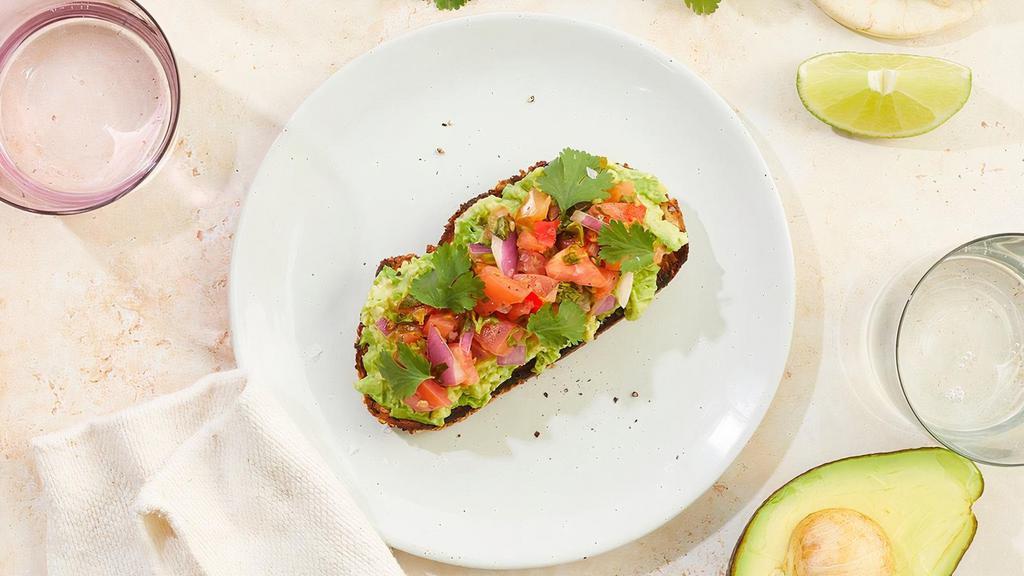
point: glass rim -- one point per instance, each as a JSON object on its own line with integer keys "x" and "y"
{"x": 161, "y": 47}
{"x": 899, "y": 332}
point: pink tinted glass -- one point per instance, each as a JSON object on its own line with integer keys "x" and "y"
{"x": 88, "y": 102}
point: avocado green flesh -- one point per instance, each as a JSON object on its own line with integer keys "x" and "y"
{"x": 921, "y": 499}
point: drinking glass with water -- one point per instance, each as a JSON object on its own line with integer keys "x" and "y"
{"x": 960, "y": 350}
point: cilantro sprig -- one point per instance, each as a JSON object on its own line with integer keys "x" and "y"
{"x": 558, "y": 329}
{"x": 450, "y": 284}
{"x": 575, "y": 177}
{"x": 633, "y": 246}
{"x": 450, "y": 4}
{"x": 702, "y": 7}
{"x": 404, "y": 377}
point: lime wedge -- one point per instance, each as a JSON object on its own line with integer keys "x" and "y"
{"x": 882, "y": 95}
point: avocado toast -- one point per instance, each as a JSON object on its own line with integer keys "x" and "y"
{"x": 522, "y": 275}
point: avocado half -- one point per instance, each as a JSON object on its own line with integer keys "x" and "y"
{"x": 905, "y": 513}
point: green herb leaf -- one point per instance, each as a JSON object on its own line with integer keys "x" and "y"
{"x": 560, "y": 329}
{"x": 632, "y": 246}
{"x": 450, "y": 284}
{"x": 567, "y": 180}
{"x": 702, "y": 7}
{"x": 450, "y": 4}
{"x": 404, "y": 378}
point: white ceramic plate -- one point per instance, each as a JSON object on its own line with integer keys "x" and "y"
{"x": 356, "y": 177}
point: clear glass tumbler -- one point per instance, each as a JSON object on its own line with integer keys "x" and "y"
{"x": 960, "y": 350}
{"x": 89, "y": 95}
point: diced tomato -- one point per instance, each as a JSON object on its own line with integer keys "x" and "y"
{"x": 433, "y": 393}
{"x": 534, "y": 301}
{"x": 517, "y": 311}
{"x": 625, "y": 212}
{"x": 498, "y": 337}
{"x": 544, "y": 287}
{"x": 501, "y": 289}
{"x": 467, "y": 365}
{"x": 485, "y": 307}
{"x": 545, "y": 232}
{"x": 612, "y": 277}
{"x": 531, "y": 304}
{"x": 624, "y": 189}
{"x": 445, "y": 322}
{"x": 535, "y": 208}
{"x": 574, "y": 265}
{"x": 527, "y": 240}
{"x": 408, "y": 333}
{"x": 531, "y": 262}
{"x": 416, "y": 403}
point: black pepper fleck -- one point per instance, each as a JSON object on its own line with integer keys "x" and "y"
{"x": 615, "y": 400}
{"x": 545, "y": 394}
{"x": 440, "y": 151}
{"x": 531, "y": 99}
{"x": 635, "y": 394}
{"x": 536, "y": 434}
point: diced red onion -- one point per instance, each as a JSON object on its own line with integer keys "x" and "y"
{"x": 466, "y": 341}
{"x": 384, "y": 326}
{"x": 454, "y": 374}
{"x": 624, "y": 288}
{"x": 604, "y": 306}
{"x": 515, "y": 357}
{"x": 438, "y": 352}
{"x": 479, "y": 249}
{"x": 437, "y": 348}
{"x": 506, "y": 254}
{"x": 586, "y": 220}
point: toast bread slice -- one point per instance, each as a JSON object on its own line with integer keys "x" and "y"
{"x": 670, "y": 265}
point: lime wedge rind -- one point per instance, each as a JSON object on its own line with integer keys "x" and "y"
{"x": 918, "y": 93}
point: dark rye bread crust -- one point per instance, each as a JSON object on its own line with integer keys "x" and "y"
{"x": 670, "y": 265}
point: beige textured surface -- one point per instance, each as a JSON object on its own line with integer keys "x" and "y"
{"x": 103, "y": 310}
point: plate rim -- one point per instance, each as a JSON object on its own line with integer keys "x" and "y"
{"x": 235, "y": 297}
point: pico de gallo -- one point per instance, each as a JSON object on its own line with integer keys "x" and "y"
{"x": 528, "y": 273}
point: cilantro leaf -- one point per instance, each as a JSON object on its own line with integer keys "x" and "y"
{"x": 450, "y": 284}
{"x": 560, "y": 329}
{"x": 450, "y": 4}
{"x": 568, "y": 180}
{"x": 702, "y": 7}
{"x": 406, "y": 377}
{"x": 633, "y": 246}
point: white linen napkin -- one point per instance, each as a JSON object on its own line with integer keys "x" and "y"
{"x": 213, "y": 480}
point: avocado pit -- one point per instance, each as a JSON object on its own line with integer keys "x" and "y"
{"x": 838, "y": 542}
